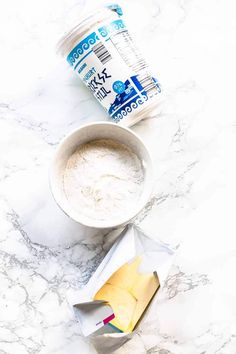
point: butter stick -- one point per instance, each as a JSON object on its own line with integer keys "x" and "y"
{"x": 128, "y": 292}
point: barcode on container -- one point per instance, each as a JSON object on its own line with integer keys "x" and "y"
{"x": 134, "y": 59}
{"x": 102, "y": 53}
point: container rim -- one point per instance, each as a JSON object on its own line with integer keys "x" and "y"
{"x": 90, "y": 19}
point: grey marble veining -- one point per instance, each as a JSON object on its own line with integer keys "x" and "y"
{"x": 46, "y": 257}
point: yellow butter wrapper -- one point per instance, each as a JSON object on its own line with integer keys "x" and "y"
{"x": 128, "y": 292}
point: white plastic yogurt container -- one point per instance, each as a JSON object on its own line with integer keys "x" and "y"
{"x": 101, "y": 51}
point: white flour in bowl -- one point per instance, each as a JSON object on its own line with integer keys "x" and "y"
{"x": 103, "y": 179}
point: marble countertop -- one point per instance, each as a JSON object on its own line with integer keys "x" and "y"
{"x": 45, "y": 257}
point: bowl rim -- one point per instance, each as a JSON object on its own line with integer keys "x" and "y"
{"x": 86, "y": 221}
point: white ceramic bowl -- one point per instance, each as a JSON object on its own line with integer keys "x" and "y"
{"x": 86, "y": 133}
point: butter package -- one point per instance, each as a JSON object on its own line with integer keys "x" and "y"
{"x": 116, "y": 297}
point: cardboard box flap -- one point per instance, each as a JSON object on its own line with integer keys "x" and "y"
{"x": 108, "y": 343}
{"x": 121, "y": 252}
{"x": 132, "y": 242}
{"x": 158, "y": 255}
{"x": 93, "y": 315}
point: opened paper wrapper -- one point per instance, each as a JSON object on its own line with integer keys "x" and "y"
{"x": 141, "y": 265}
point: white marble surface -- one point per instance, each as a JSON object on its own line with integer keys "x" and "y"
{"x": 45, "y": 256}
